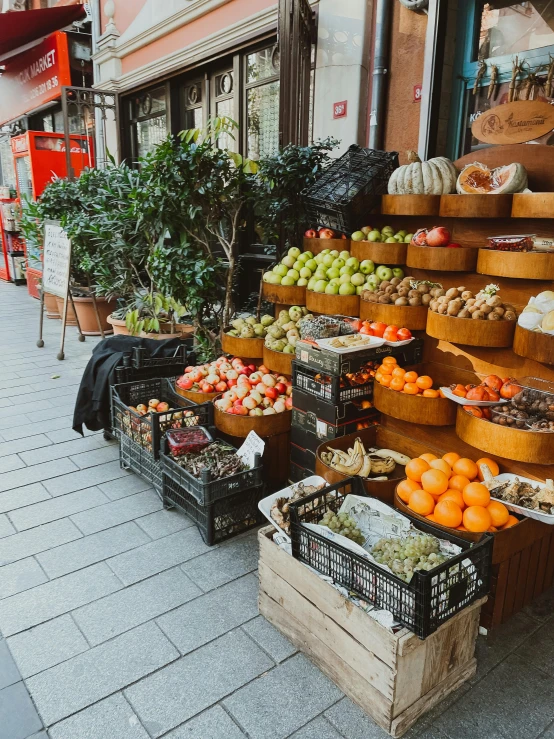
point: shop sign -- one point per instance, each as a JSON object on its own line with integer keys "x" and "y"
{"x": 340, "y": 109}
{"x": 35, "y": 77}
{"x": 514, "y": 123}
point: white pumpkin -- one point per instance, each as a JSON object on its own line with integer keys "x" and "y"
{"x": 435, "y": 177}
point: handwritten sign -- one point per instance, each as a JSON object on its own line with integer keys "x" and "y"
{"x": 514, "y": 123}
{"x": 252, "y": 445}
{"x": 57, "y": 259}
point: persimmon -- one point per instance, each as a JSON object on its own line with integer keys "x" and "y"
{"x": 476, "y": 494}
{"x": 477, "y": 519}
{"x": 431, "y": 517}
{"x": 398, "y": 371}
{"x": 424, "y": 382}
{"x": 389, "y": 360}
{"x": 415, "y": 468}
{"x": 434, "y": 481}
{"x": 378, "y": 376}
{"x": 458, "y": 482}
{"x": 454, "y": 495}
{"x": 466, "y": 467}
{"x": 397, "y": 383}
{"x": 512, "y": 521}
{"x": 406, "y": 487}
{"x": 491, "y": 464}
{"x": 421, "y": 502}
{"x": 494, "y": 382}
{"x": 499, "y": 513}
{"x": 461, "y": 528}
{"x": 430, "y": 393}
{"x": 410, "y": 388}
{"x": 428, "y": 457}
{"x": 411, "y": 376}
{"x": 386, "y": 380}
{"x": 386, "y": 369}
{"x": 440, "y": 464}
{"x": 450, "y": 457}
{"x": 459, "y": 390}
{"x": 448, "y": 513}
{"x": 474, "y": 410}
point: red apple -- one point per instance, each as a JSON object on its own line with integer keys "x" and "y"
{"x": 231, "y": 383}
{"x": 252, "y": 367}
{"x": 221, "y": 387}
{"x": 205, "y": 387}
{"x": 420, "y": 237}
{"x": 271, "y": 392}
{"x": 311, "y": 234}
{"x": 189, "y": 369}
{"x": 326, "y": 233}
{"x": 187, "y": 383}
{"x": 438, "y": 236}
{"x": 288, "y": 403}
{"x": 281, "y": 388}
{"x": 240, "y": 410}
{"x": 453, "y": 245}
{"x": 245, "y": 371}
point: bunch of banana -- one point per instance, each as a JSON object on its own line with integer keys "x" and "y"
{"x": 358, "y": 461}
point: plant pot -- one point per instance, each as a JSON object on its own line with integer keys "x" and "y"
{"x": 87, "y": 316}
{"x": 241, "y": 426}
{"x": 119, "y": 327}
{"x": 51, "y": 306}
{"x": 379, "y": 252}
{"x": 71, "y": 319}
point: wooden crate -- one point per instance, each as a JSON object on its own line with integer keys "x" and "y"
{"x": 394, "y": 678}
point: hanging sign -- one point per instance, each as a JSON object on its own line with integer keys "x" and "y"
{"x": 56, "y": 260}
{"x": 514, "y": 123}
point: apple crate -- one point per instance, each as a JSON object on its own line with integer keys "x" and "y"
{"x": 329, "y": 387}
{"x": 340, "y": 364}
{"x": 334, "y": 414}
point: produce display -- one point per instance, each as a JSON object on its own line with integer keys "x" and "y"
{"x": 283, "y": 334}
{"x": 386, "y": 235}
{"x": 436, "y": 176}
{"x": 322, "y": 233}
{"x": 436, "y": 236}
{"x": 375, "y": 463}
{"x": 140, "y": 429}
{"x": 408, "y": 554}
{"x": 352, "y": 341}
{"x": 458, "y": 302}
{"x": 406, "y": 291}
{"x": 524, "y": 494}
{"x": 521, "y": 242}
{"x": 493, "y": 388}
{"x": 257, "y": 394}
{"x": 351, "y": 379}
{"x": 390, "y": 375}
{"x": 185, "y": 441}
{"x": 343, "y": 524}
{"x": 153, "y": 406}
{"x": 335, "y": 275}
{"x": 280, "y": 510}
{"x": 295, "y": 268}
{"x": 528, "y": 409}
{"x": 538, "y": 314}
{"x": 385, "y": 331}
{"x": 250, "y": 327}
{"x": 217, "y": 376}
{"x": 217, "y": 457}
{"x": 477, "y": 178}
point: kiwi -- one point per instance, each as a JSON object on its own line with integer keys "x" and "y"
{"x": 478, "y": 314}
{"x": 395, "y": 281}
{"x": 384, "y": 299}
{"x": 423, "y": 289}
{"x": 401, "y": 301}
{"x": 414, "y": 301}
{"x": 426, "y": 300}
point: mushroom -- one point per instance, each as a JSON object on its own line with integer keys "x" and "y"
{"x": 415, "y": 301}
{"x": 478, "y": 314}
{"x": 486, "y": 309}
{"x": 494, "y": 301}
{"x": 401, "y": 301}
{"x": 454, "y": 307}
{"x": 464, "y": 313}
{"x": 467, "y": 295}
{"x": 443, "y": 307}
{"x": 494, "y": 316}
{"x": 452, "y": 293}
{"x": 423, "y": 288}
{"x": 426, "y": 300}
{"x": 509, "y": 315}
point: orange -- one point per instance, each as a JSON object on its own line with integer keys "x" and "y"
{"x": 492, "y": 528}
{"x": 386, "y": 380}
{"x": 406, "y": 488}
{"x": 410, "y": 376}
{"x": 378, "y": 376}
{"x": 431, "y": 394}
{"x": 398, "y": 372}
{"x": 466, "y": 467}
{"x": 499, "y": 513}
{"x": 410, "y": 388}
{"x": 397, "y": 383}
{"x": 440, "y": 464}
{"x": 428, "y": 457}
{"x": 386, "y": 369}
{"x": 458, "y": 482}
{"x": 491, "y": 464}
{"x": 476, "y": 494}
{"x": 415, "y": 468}
{"x": 512, "y": 521}
{"x": 424, "y": 382}
{"x": 432, "y": 518}
{"x": 434, "y": 481}
{"x": 448, "y": 513}
{"x": 421, "y": 502}
{"x": 461, "y": 528}
{"x": 389, "y": 360}
{"x": 476, "y": 518}
{"x": 454, "y": 495}
{"x": 451, "y": 457}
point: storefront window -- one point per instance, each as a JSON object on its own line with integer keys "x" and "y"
{"x": 512, "y": 28}
{"x": 262, "y": 102}
{"x": 7, "y": 170}
{"x": 148, "y": 121}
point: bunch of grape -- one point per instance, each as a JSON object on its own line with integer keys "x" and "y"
{"x": 405, "y": 556}
{"x": 342, "y": 524}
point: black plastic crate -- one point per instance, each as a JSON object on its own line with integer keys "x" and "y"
{"x": 217, "y": 521}
{"x": 148, "y": 431}
{"x": 303, "y": 457}
{"x": 341, "y": 364}
{"x": 347, "y": 191}
{"x": 205, "y": 490}
{"x": 333, "y": 413}
{"x": 298, "y": 473}
{"x": 332, "y": 388}
{"x": 139, "y": 365}
{"x": 133, "y": 457}
{"x": 307, "y": 421}
{"x": 422, "y": 605}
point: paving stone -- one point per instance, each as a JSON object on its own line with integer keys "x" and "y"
{"x": 6, "y": 529}
{"x": 211, "y": 615}
{"x": 67, "y": 434}
{"x": 124, "y": 486}
{"x": 10, "y": 462}
{"x": 85, "y": 478}
{"x": 19, "y": 576}
{"x": 90, "y": 549}
{"x": 7, "y": 422}
{"x": 56, "y": 410}
{"x": 40, "y": 735}
{"x": 36, "y": 473}
{"x": 119, "y": 511}
{"x": 230, "y": 560}
{"x": 19, "y": 497}
{"x": 47, "y": 645}
{"x": 134, "y": 605}
{"x": 490, "y": 650}
{"x": 58, "y": 451}
{"x": 9, "y": 674}
{"x": 18, "y": 716}
{"x": 24, "y": 444}
{"x": 284, "y": 699}
{"x": 346, "y": 717}
{"x": 56, "y": 508}
{"x": 28, "y": 429}
{"x": 173, "y": 695}
{"x": 13, "y": 414}
{"x": 94, "y": 675}
{"x": 542, "y": 608}
{"x": 158, "y": 555}
{"x": 212, "y": 724}
{"x": 111, "y": 717}
{"x": 538, "y": 649}
{"x": 163, "y": 523}
{"x": 95, "y": 457}
{"x": 269, "y": 639}
{"x": 32, "y": 607}
{"x": 549, "y": 733}
{"x": 39, "y": 539}
{"x": 320, "y": 728}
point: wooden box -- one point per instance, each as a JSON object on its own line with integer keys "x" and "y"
{"x": 394, "y": 678}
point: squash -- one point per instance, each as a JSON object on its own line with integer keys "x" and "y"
{"x": 434, "y": 177}
{"x": 478, "y": 178}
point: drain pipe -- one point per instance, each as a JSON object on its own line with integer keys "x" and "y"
{"x": 99, "y": 143}
{"x": 383, "y": 22}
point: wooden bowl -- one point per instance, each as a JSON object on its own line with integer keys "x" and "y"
{"x": 522, "y": 446}
{"x": 278, "y": 362}
{"x": 534, "y": 345}
{"x": 410, "y": 205}
{"x": 519, "y": 264}
{"x": 476, "y": 206}
{"x": 533, "y": 205}
{"x": 412, "y": 317}
{"x": 316, "y": 246}
{"x": 284, "y": 294}
{"x": 379, "y": 252}
{"x": 241, "y": 426}
{"x": 469, "y": 331}
{"x": 414, "y": 408}
{"x": 243, "y": 348}
{"x": 196, "y": 397}
{"x": 403, "y": 508}
{"x": 441, "y": 258}
{"x": 333, "y": 305}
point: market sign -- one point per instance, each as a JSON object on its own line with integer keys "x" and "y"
{"x": 34, "y": 77}
{"x": 514, "y": 123}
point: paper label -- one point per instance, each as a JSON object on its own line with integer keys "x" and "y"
{"x": 252, "y": 444}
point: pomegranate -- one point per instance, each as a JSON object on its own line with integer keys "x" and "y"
{"x": 420, "y": 237}
{"x": 438, "y": 236}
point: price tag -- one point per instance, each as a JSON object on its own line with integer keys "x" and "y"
{"x": 321, "y": 428}
{"x": 252, "y": 444}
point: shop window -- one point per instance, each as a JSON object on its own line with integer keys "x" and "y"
{"x": 513, "y": 28}
{"x": 148, "y": 117}
{"x": 262, "y": 102}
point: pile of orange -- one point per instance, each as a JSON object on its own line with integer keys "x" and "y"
{"x": 394, "y": 377}
{"x": 447, "y": 491}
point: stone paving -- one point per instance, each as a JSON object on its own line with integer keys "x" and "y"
{"x": 117, "y": 622}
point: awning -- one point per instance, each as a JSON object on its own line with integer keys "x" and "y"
{"x": 22, "y": 27}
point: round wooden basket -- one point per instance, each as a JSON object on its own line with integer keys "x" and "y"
{"x": 316, "y": 246}
{"x": 534, "y": 345}
{"x": 278, "y": 362}
{"x": 519, "y": 264}
{"x": 241, "y": 426}
{"x": 412, "y": 317}
{"x": 441, "y": 258}
{"x": 410, "y": 205}
{"x": 284, "y": 294}
{"x": 533, "y": 447}
{"x": 476, "y": 206}
{"x": 243, "y": 348}
{"x": 533, "y": 205}
{"x": 333, "y": 305}
{"x": 379, "y": 252}
{"x": 469, "y": 331}
{"x": 414, "y": 408}
{"x": 196, "y": 397}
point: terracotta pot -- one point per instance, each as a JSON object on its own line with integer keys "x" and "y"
{"x": 120, "y": 328}
{"x": 87, "y": 316}
{"x": 51, "y": 306}
{"x": 71, "y": 320}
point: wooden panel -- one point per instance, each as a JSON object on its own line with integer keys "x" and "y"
{"x": 332, "y": 305}
{"x": 538, "y": 160}
{"x": 511, "y": 586}
{"x": 541, "y": 567}
{"x": 441, "y": 259}
{"x": 533, "y": 205}
{"x": 519, "y": 599}
{"x": 549, "y": 571}
{"x": 410, "y": 205}
{"x": 500, "y": 593}
{"x": 470, "y": 332}
{"x": 533, "y": 344}
{"x": 476, "y": 206}
{"x": 379, "y": 252}
{"x": 284, "y": 294}
{"x": 517, "y": 264}
{"x": 532, "y": 573}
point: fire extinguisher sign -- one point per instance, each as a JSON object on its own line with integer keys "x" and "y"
{"x": 340, "y": 109}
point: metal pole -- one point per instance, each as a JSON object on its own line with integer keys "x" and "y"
{"x": 383, "y": 19}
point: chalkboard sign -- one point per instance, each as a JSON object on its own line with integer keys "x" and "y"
{"x": 56, "y": 260}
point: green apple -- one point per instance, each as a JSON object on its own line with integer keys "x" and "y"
{"x": 266, "y": 277}
{"x": 334, "y": 253}
{"x": 318, "y": 259}
{"x": 288, "y": 280}
{"x": 332, "y": 289}
{"x": 276, "y": 280}
{"x": 344, "y": 255}
{"x": 397, "y": 272}
{"x": 345, "y": 279}
{"x": 311, "y": 283}
{"x": 387, "y": 229}
{"x": 367, "y": 267}
{"x": 288, "y": 261}
{"x": 311, "y": 264}
{"x": 353, "y": 262}
{"x": 328, "y": 260}
{"x": 302, "y": 282}
{"x": 294, "y": 252}
{"x": 374, "y": 280}
{"x": 384, "y": 273}
{"x": 357, "y": 279}
{"x": 401, "y": 231}
{"x": 347, "y": 288}
{"x": 305, "y": 273}
{"x": 293, "y": 274}
{"x": 391, "y": 240}
{"x": 320, "y": 286}
{"x": 346, "y": 270}
{"x": 399, "y": 237}
{"x": 280, "y": 269}
{"x": 366, "y": 229}
{"x": 298, "y": 265}
{"x": 360, "y": 289}
{"x": 408, "y": 238}
{"x": 320, "y": 274}
{"x": 374, "y": 236}
{"x": 335, "y": 281}
{"x": 325, "y": 251}
{"x": 308, "y": 255}
{"x": 338, "y": 263}
{"x": 303, "y": 257}
{"x": 332, "y": 272}
{"x": 358, "y": 236}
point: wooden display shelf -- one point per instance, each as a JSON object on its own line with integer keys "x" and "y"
{"x": 533, "y": 205}
{"x": 518, "y": 264}
{"x": 316, "y": 246}
{"x": 476, "y": 206}
{"x": 284, "y": 294}
{"x": 243, "y": 348}
{"x": 414, "y": 408}
{"x": 241, "y": 426}
{"x": 278, "y": 362}
{"x": 333, "y": 305}
{"x": 412, "y": 317}
{"x": 533, "y": 447}
{"x": 469, "y": 331}
{"x": 441, "y": 259}
{"x": 410, "y": 205}
{"x": 534, "y": 345}
{"x": 379, "y": 252}
{"x": 195, "y": 397}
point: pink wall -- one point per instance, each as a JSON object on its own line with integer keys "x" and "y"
{"x": 125, "y": 12}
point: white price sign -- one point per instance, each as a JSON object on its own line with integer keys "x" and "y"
{"x": 57, "y": 260}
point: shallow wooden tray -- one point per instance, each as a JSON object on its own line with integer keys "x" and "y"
{"x": 284, "y": 294}
{"x": 243, "y": 348}
{"x": 476, "y": 206}
{"x": 333, "y": 305}
{"x": 533, "y": 205}
{"x": 534, "y": 345}
{"x": 469, "y": 331}
{"x": 241, "y": 426}
{"x": 520, "y": 264}
{"x": 316, "y": 246}
{"x": 412, "y": 317}
{"x": 278, "y": 362}
{"x": 195, "y": 397}
{"x": 410, "y": 205}
{"x": 414, "y": 408}
{"x": 379, "y": 252}
{"x": 441, "y": 259}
